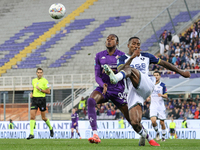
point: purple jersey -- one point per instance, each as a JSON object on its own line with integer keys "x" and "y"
{"x": 101, "y": 59}
{"x": 74, "y": 118}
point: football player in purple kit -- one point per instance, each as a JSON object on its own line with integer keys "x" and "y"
{"x": 106, "y": 91}
{"x": 74, "y": 118}
{"x": 135, "y": 67}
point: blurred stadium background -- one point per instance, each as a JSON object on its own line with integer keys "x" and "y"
{"x": 66, "y": 48}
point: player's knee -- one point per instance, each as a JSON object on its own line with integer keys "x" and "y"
{"x": 154, "y": 123}
{"x": 44, "y": 118}
{"x": 128, "y": 71}
{"x": 32, "y": 117}
{"x": 91, "y": 102}
{"x": 162, "y": 123}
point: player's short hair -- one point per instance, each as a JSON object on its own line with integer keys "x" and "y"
{"x": 115, "y": 37}
{"x": 156, "y": 72}
{"x": 39, "y": 69}
{"x": 134, "y": 37}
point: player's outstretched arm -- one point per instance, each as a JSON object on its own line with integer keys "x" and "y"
{"x": 171, "y": 67}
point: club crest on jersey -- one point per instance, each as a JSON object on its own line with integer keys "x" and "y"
{"x": 142, "y": 58}
{"x": 117, "y": 57}
{"x": 103, "y": 57}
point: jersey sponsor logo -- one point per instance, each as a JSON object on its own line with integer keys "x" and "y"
{"x": 103, "y": 57}
{"x": 140, "y": 67}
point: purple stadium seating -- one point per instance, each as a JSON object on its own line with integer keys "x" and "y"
{"x": 93, "y": 37}
{"x": 76, "y": 25}
{"x": 14, "y": 48}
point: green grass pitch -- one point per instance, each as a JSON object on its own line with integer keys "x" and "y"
{"x": 83, "y": 144}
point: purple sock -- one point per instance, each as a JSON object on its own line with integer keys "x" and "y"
{"x": 92, "y": 113}
{"x": 72, "y": 134}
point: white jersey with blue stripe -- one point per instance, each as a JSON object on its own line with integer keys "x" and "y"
{"x": 157, "y": 102}
{"x": 140, "y": 63}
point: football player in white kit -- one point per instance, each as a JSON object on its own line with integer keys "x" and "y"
{"x": 157, "y": 106}
{"x": 135, "y": 67}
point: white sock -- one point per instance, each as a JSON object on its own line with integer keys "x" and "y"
{"x": 142, "y": 133}
{"x": 163, "y": 133}
{"x": 95, "y": 132}
{"x": 120, "y": 75}
{"x": 156, "y": 128}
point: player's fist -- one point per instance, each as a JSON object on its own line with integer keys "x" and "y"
{"x": 185, "y": 74}
{"x": 105, "y": 86}
{"x": 37, "y": 87}
{"x": 136, "y": 53}
{"x": 159, "y": 94}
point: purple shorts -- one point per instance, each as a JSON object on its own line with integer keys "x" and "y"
{"x": 75, "y": 127}
{"x": 117, "y": 97}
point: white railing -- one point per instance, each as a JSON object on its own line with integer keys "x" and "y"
{"x": 55, "y": 80}
{"x": 75, "y": 94}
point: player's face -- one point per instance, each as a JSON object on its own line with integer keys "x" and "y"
{"x": 73, "y": 111}
{"x": 111, "y": 41}
{"x": 133, "y": 45}
{"x": 39, "y": 73}
{"x": 157, "y": 76}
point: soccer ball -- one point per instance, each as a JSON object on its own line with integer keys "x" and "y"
{"x": 57, "y": 10}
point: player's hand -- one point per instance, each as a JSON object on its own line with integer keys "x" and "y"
{"x": 31, "y": 95}
{"x": 114, "y": 70}
{"x": 159, "y": 94}
{"x": 136, "y": 53}
{"x": 74, "y": 123}
{"x": 37, "y": 87}
{"x": 185, "y": 74}
{"x": 148, "y": 99}
{"x": 105, "y": 86}
{"x": 103, "y": 71}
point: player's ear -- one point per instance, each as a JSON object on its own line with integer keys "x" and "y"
{"x": 128, "y": 45}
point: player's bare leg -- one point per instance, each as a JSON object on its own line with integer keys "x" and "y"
{"x": 124, "y": 110}
{"x": 135, "y": 114}
{"x": 32, "y": 123}
{"x": 95, "y": 98}
{"x": 155, "y": 126}
{"x": 163, "y": 129}
{"x": 43, "y": 115}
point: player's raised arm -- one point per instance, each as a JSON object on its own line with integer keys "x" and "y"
{"x": 98, "y": 71}
{"x": 171, "y": 67}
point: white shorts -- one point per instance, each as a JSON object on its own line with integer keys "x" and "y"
{"x": 159, "y": 113}
{"x": 144, "y": 90}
